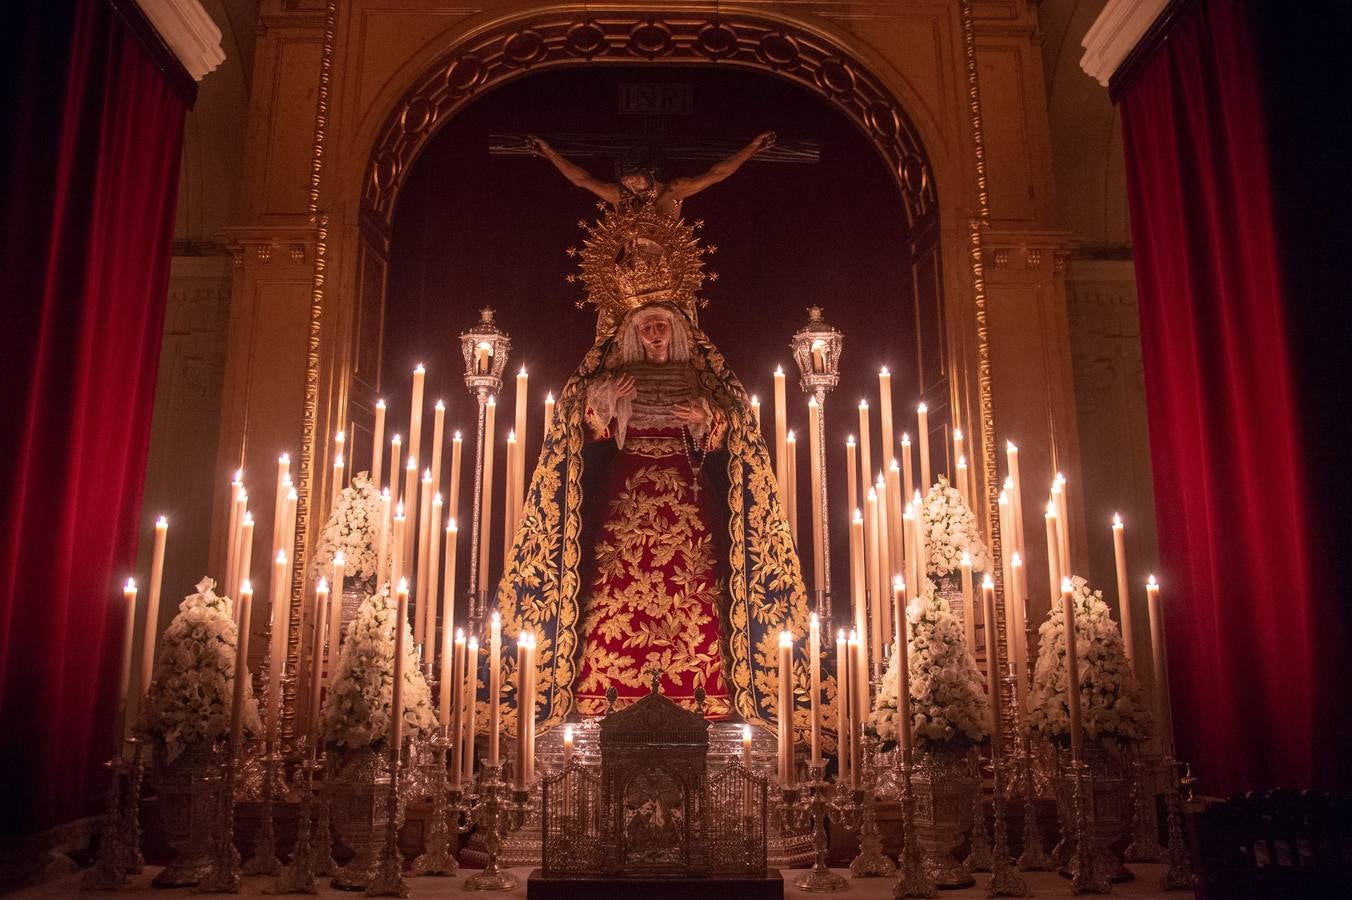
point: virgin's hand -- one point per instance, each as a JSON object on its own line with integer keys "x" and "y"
{"x": 690, "y": 414}
{"x": 625, "y": 387}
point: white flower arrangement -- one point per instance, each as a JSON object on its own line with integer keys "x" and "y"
{"x": 357, "y": 708}
{"x": 948, "y": 700}
{"x": 950, "y": 530}
{"x": 1111, "y": 703}
{"x": 354, "y": 528}
{"x": 192, "y": 693}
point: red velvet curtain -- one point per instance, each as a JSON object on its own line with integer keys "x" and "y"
{"x": 1240, "y": 586}
{"x": 87, "y": 198}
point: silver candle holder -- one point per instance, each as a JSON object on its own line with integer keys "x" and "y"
{"x": 496, "y": 809}
{"x": 807, "y": 805}
{"x": 109, "y": 872}
{"x": 871, "y": 862}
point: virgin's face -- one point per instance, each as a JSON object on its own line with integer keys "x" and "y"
{"x": 655, "y": 333}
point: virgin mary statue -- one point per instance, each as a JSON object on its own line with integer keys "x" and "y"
{"x": 653, "y": 547}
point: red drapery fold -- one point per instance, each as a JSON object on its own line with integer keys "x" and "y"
{"x": 1240, "y": 591}
{"x": 86, "y": 220}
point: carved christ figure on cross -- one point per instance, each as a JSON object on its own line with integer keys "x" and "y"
{"x": 639, "y": 184}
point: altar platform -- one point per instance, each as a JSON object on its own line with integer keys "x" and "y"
{"x": 1041, "y": 884}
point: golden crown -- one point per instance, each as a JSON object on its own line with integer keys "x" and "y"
{"x": 634, "y": 257}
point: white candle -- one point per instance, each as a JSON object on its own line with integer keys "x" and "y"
{"x": 992, "y": 662}
{"x": 896, "y": 541}
{"x": 852, "y": 476}
{"x": 903, "y": 637}
{"x": 968, "y": 604}
{"x": 885, "y": 412}
{"x": 438, "y": 439}
{"x": 857, "y": 705}
{"x": 786, "y": 709}
{"x": 124, "y": 669}
{"x": 383, "y": 555}
{"x": 1061, "y": 494}
{"x": 415, "y": 411}
{"x": 549, "y": 411}
{"x": 531, "y": 673}
{"x": 245, "y": 561}
{"x": 1054, "y": 571}
{"x": 1163, "y": 703}
{"x": 865, "y": 454}
{"x": 814, "y": 458}
{"x": 396, "y": 444}
{"x": 1016, "y": 618}
{"x": 508, "y": 514}
{"x": 814, "y": 652}
{"x": 913, "y": 562}
{"x": 791, "y": 480}
{"x": 922, "y": 414}
{"x": 397, "y": 545}
{"x": 340, "y": 443}
{"x": 238, "y": 501}
{"x": 522, "y": 422}
{"x": 958, "y": 452}
{"x": 277, "y": 650}
{"x": 471, "y": 703}
{"x": 322, "y": 602}
{"x": 568, "y": 743}
{"x": 755, "y": 410}
{"x": 152, "y": 621}
{"x": 378, "y": 444}
{"x": 858, "y": 577}
{"x": 243, "y": 614}
{"x": 494, "y": 687}
{"x": 455, "y": 724}
{"x": 872, "y": 626}
{"x": 453, "y": 501}
{"x": 843, "y": 693}
{"x": 422, "y": 582}
{"x": 520, "y": 769}
{"x": 448, "y": 618}
{"x": 397, "y": 694}
{"x": 907, "y": 471}
{"x": 486, "y": 512}
{"x": 922, "y": 557}
{"x": 781, "y": 433}
{"x": 746, "y": 745}
{"x": 336, "y": 616}
{"x": 1016, "y": 497}
{"x": 279, "y": 502}
{"x": 961, "y": 478}
{"x": 337, "y": 485}
{"x": 432, "y": 595}
{"x": 1072, "y": 672}
{"x": 1007, "y": 576}
{"x": 1123, "y": 593}
{"x": 886, "y": 569}
{"x": 410, "y": 501}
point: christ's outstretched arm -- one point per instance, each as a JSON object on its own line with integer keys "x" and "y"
{"x": 575, "y": 173}
{"x": 680, "y": 188}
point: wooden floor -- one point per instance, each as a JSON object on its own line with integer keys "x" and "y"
{"x": 1041, "y": 884}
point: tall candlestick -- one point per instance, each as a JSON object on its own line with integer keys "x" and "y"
{"x": 397, "y": 694}
{"x": 814, "y": 652}
{"x": 522, "y": 701}
{"x": 1054, "y": 571}
{"x": 1016, "y": 619}
{"x": 277, "y": 650}
{"x": 531, "y": 672}
{"x": 522, "y": 422}
{"x": 337, "y": 486}
{"x": 549, "y": 411}
{"x": 992, "y": 662}
{"x": 969, "y": 612}
{"x": 746, "y": 746}
{"x": 454, "y": 725}
{"x": 858, "y": 576}
{"x": 410, "y": 500}
{"x": 1163, "y": 704}
{"x": 336, "y": 618}
{"x": 396, "y": 444}
{"x": 1072, "y": 672}
{"x": 421, "y": 636}
{"x": 508, "y": 515}
{"x": 755, "y": 410}
{"x": 781, "y": 432}
{"x": 568, "y": 743}
{"x": 895, "y": 537}
{"x": 960, "y": 477}
{"x": 438, "y": 439}
{"x": 886, "y": 568}
{"x": 1061, "y": 494}
{"x": 322, "y": 602}
{"x": 907, "y": 471}
{"x": 1123, "y": 594}
{"x": 432, "y": 596}
{"x": 872, "y": 627}
{"x": 854, "y": 501}
{"x": 494, "y": 687}
{"x": 904, "y": 720}
{"x": 885, "y": 450}
{"x": 922, "y": 565}
{"x": 857, "y": 705}
{"x": 1007, "y": 576}
{"x": 791, "y": 480}
{"x": 471, "y": 704}
{"x": 397, "y": 545}
{"x": 415, "y": 408}
{"x": 843, "y": 694}
{"x": 279, "y": 501}
{"x": 244, "y": 614}
{"x": 378, "y": 444}
{"x": 383, "y": 555}
{"x": 913, "y": 563}
{"x": 786, "y": 709}
{"x": 152, "y": 621}
{"x": 922, "y": 414}
{"x": 448, "y": 616}
{"x": 238, "y": 500}
{"x": 1016, "y": 497}
{"x": 486, "y": 513}
{"x": 289, "y": 534}
{"x": 245, "y": 561}
{"x": 865, "y": 453}
{"x": 124, "y": 669}
{"x": 453, "y": 501}
{"x": 814, "y": 458}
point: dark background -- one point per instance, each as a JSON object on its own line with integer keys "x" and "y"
{"x": 473, "y": 229}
